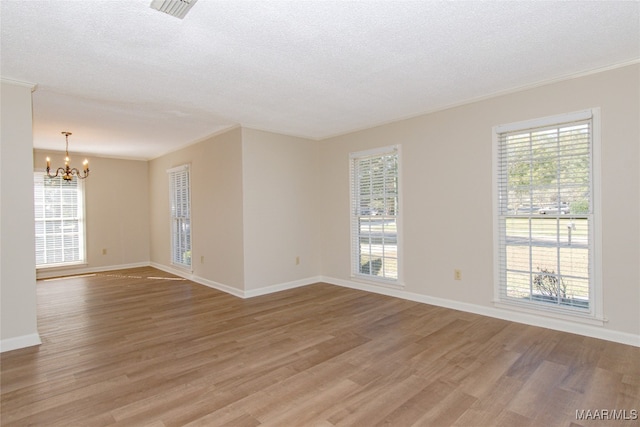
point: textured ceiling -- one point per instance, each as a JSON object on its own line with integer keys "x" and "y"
{"x": 130, "y": 81}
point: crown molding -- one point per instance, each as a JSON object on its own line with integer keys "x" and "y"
{"x": 32, "y": 86}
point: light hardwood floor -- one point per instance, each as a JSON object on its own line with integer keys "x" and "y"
{"x": 141, "y": 348}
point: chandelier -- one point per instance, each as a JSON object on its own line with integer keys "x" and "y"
{"x": 66, "y": 172}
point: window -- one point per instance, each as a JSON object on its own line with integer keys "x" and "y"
{"x": 59, "y": 221}
{"x": 544, "y": 183}
{"x": 374, "y": 214}
{"x": 180, "y": 204}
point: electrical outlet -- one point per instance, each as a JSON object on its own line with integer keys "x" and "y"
{"x": 457, "y": 274}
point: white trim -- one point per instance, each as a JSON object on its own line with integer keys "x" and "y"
{"x": 554, "y": 120}
{"x": 562, "y": 314}
{"x": 45, "y": 150}
{"x": 377, "y": 281}
{"x": 596, "y": 200}
{"x": 32, "y": 86}
{"x": 186, "y": 166}
{"x": 495, "y": 202}
{"x": 61, "y": 266}
{"x": 354, "y": 258}
{"x": 50, "y": 273}
{"x": 82, "y": 197}
{"x": 400, "y": 221}
{"x": 184, "y": 269}
{"x": 199, "y": 280}
{"x": 16, "y": 343}
{"x": 537, "y": 319}
{"x": 265, "y": 290}
{"x": 218, "y": 286}
{"x": 170, "y": 174}
{"x": 595, "y": 315}
{"x": 40, "y": 175}
{"x": 374, "y": 152}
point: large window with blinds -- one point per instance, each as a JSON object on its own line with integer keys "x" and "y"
{"x": 545, "y": 213}
{"x": 180, "y": 211}
{"x": 59, "y": 221}
{"x": 374, "y": 214}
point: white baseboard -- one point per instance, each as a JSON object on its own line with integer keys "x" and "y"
{"x": 71, "y": 271}
{"x": 235, "y": 291}
{"x": 525, "y": 318}
{"x": 282, "y": 286}
{"x": 200, "y": 280}
{"x": 180, "y": 273}
{"x": 218, "y": 286}
{"x": 16, "y": 343}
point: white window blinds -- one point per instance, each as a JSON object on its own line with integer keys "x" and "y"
{"x": 180, "y": 206}
{"x": 545, "y": 215}
{"x": 374, "y": 214}
{"x": 59, "y": 221}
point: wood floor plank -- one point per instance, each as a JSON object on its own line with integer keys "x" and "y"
{"x": 493, "y": 397}
{"x": 141, "y": 347}
{"x": 447, "y": 411}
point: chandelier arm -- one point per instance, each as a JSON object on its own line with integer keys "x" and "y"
{"x": 81, "y": 175}
{"x": 58, "y": 172}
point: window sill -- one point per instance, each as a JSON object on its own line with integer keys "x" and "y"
{"x": 60, "y": 270}
{"x": 371, "y": 280}
{"x": 56, "y": 267}
{"x": 550, "y": 312}
{"x": 182, "y": 267}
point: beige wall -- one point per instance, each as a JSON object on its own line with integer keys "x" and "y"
{"x": 18, "y": 315}
{"x": 446, "y": 173}
{"x": 216, "y": 209}
{"x": 280, "y": 185}
{"x": 253, "y": 209}
{"x": 116, "y": 210}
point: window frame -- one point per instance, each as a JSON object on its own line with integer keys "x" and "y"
{"x": 174, "y": 235}
{"x": 594, "y": 315}
{"x": 81, "y": 218}
{"x": 353, "y": 218}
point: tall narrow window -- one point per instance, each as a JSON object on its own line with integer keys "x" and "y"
{"x": 180, "y": 204}
{"x": 545, "y": 213}
{"x": 374, "y": 214}
{"x": 59, "y": 221}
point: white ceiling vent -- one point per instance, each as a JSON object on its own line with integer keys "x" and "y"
{"x": 177, "y": 8}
